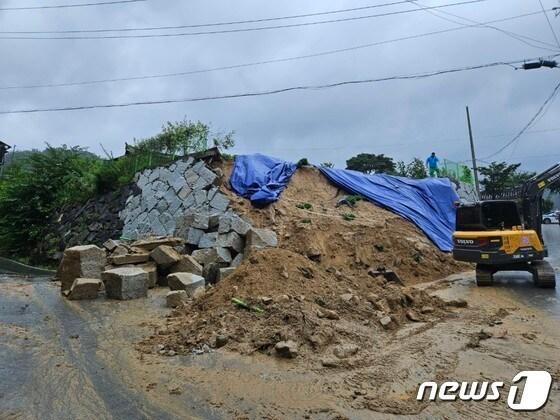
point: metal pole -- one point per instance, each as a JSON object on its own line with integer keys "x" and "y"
{"x": 475, "y": 169}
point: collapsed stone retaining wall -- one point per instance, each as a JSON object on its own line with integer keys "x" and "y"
{"x": 182, "y": 199}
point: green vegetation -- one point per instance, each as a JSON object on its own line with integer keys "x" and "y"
{"x": 415, "y": 169}
{"x": 302, "y": 162}
{"x": 304, "y": 206}
{"x": 35, "y": 188}
{"x": 175, "y": 140}
{"x": 371, "y": 163}
{"x": 353, "y": 199}
{"x": 36, "y": 185}
{"x": 348, "y": 216}
{"x": 327, "y": 165}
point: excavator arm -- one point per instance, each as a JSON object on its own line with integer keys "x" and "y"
{"x": 531, "y": 197}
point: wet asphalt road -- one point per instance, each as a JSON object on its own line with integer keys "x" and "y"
{"x": 521, "y": 284}
{"x": 36, "y": 343}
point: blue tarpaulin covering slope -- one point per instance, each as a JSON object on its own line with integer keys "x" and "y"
{"x": 260, "y": 178}
{"x": 428, "y": 203}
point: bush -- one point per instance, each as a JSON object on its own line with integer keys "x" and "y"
{"x": 34, "y": 189}
{"x": 302, "y": 162}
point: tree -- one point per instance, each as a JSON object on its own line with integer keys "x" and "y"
{"x": 34, "y": 189}
{"x": 498, "y": 176}
{"x": 466, "y": 175}
{"x": 371, "y": 163}
{"x": 414, "y": 169}
{"x": 327, "y": 165}
{"x": 176, "y": 139}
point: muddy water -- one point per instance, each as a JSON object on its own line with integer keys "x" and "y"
{"x": 76, "y": 360}
{"x": 521, "y": 284}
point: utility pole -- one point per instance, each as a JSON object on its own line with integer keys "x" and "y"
{"x": 475, "y": 169}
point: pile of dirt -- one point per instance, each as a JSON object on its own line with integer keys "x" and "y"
{"x": 321, "y": 288}
{"x": 308, "y": 222}
{"x": 293, "y": 298}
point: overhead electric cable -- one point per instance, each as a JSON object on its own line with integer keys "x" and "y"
{"x": 550, "y": 24}
{"x": 262, "y": 93}
{"x": 537, "y": 115}
{"x": 256, "y": 63}
{"x": 66, "y": 6}
{"x": 213, "y": 24}
{"x": 519, "y": 37}
{"x": 226, "y": 31}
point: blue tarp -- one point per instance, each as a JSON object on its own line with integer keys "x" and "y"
{"x": 428, "y": 203}
{"x": 260, "y": 178}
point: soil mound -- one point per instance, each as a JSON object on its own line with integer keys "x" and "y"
{"x": 290, "y": 297}
{"x": 352, "y": 240}
{"x": 321, "y": 289}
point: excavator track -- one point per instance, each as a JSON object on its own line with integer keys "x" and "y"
{"x": 543, "y": 274}
{"x": 484, "y": 276}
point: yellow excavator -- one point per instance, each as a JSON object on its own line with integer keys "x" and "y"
{"x": 505, "y": 233}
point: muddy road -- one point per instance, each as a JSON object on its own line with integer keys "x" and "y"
{"x": 77, "y": 360}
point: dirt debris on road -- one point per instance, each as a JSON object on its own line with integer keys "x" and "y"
{"x": 330, "y": 283}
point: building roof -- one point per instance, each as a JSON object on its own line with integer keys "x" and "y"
{"x": 5, "y": 146}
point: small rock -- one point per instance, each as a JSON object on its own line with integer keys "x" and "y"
{"x": 346, "y": 350}
{"x": 427, "y": 310}
{"x": 185, "y": 281}
{"x": 330, "y": 362}
{"x": 314, "y": 254}
{"x": 266, "y": 300}
{"x": 411, "y": 315}
{"x": 458, "y": 303}
{"x": 130, "y": 259}
{"x": 83, "y": 289}
{"x": 221, "y": 341}
{"x": 225, "y": 272}
{"x": 386, "y": 322}
{"x": 151, "y": 244}
{"x": 111, "y": 245}
{"x": 187, "y": 264}
{"x": 347, "y": 297}
{"x": 165, "y": 256}
{"x": 328, "y": 314}
{"x": 176, "y": 298}
{"x": 282, "y": 299}
{"x": 287, "y": 349}
{"x": 259, "y": 239}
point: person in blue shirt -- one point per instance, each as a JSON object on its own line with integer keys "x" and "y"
{"x": 432, "y": 164}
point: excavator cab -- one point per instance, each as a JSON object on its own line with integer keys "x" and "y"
{"x": 505, "y": 233}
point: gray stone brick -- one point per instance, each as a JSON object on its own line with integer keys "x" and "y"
{"x": 219, "y": 202}
{"x": 208, "y": 240}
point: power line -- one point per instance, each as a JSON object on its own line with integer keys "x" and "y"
{"x": 227, "y": 31}
{"x": 538, "y": 114}
{"x": 257, "y": 63}
{"x": 522, "y": 38}
{"x": 416, "y": 141}
{"x": 549, "y": 24}
{"x": 213, "y": 24}
{"x": 264, "y": 93}
{"x": 66, "y": 6}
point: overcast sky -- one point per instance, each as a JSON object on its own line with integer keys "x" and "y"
{"x": 402, "y": 119}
